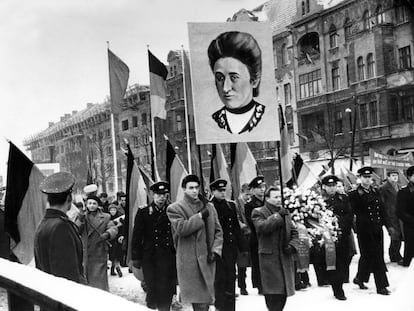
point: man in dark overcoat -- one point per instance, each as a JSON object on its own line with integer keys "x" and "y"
{"x": 243, "y": 258}
{"x": 278, "y": 241}
{"x": 370, "y": 218}
{"x": 257, "y": 190}
{"x": 153, "y": 249}
{"x": 405, "y": 211}
{"x": 339, "y": 205}
{"x": 388, "y": 192}
{"x": 225, "y": 280}
{"x": 57, "y": 245}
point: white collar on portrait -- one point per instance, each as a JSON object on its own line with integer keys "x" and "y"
{"x": 237, "y": 121}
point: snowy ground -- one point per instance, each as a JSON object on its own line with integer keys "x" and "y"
{"x": 313, "y": 298}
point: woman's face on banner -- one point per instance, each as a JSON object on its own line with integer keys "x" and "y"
{"x": 233, "y": 82}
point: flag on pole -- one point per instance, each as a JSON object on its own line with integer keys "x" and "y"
{"x": 148, "y": 182}
{"x": 175, "y": 172}
{"x": 285, "y": 154}
{"x": 218, "y": 167}
{"x": 136, "y": 197}
{"x": 158, "y": 74}
{"x": 118, "y": 81}
{"x": 243, "y": 166}
{"x": 24, "y": 203}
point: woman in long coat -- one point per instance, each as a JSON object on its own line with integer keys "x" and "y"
{"x": 96, "y": 230}
{"x": 278, "y": 240}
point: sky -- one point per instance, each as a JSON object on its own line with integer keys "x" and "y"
{"x": 53, "y": 58}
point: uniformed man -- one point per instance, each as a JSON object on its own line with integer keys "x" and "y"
{"x": 370, "y": 217}
{"x": 339, "y": 205}
{"x": 405, "y": 212}
{"x": 57, "y": 244}
{"x": 153, "y": 249}
{"x": 257, "y": 190}
{"x": 225, "y": 280}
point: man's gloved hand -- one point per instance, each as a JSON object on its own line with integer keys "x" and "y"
{"x": 289, "y": 250}
{"x": 105, "y": 236}
{"x": 137, "y": 264}
{"x": 204, "y": 213}
{"x": 283, "y": 212}
{"x": 212, "y": 257}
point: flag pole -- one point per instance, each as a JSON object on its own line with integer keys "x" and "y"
{"x": 187, "y": 127}
{"x": 200, "y": 170}
{"x": 280, "y": 173}
{"x": 113, "y": 138}
{"x": 154, "y": 145}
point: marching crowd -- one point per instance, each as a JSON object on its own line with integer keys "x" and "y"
{"x": 202, "y": 244}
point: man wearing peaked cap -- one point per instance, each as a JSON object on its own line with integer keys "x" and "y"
{"x": 160, "y": 187}
{"x": 405, "y": 212}
{"x": 56, "y": 239}
{"x": 365, "y": 171}
{"x": 370, "y": 215}
{"x": 225, "y": 279}
{"x": 257, "y": 189}
{"x": 339, "y": 205}
{"x": 153, "y": 248}
{"x": 256, "y": 182}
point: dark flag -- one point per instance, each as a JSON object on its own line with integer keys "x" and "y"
{"x": 24, "y": 203}
{"x": 175, "y": 172}
{"x": 118, "y": 81}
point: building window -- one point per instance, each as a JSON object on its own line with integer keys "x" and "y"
{"x": 312, "y": 122}
{"x": 394, "y": 109}
{"x": 178, "y": 120}
{"x": 303, "y": 8}
{"x": 134, "y": 121}
{"x": 373, "y": 113}
{"x": 336, "y": 79}
{"x": 142, "y": 96}
{"x": 360, "y": 65}
{"x": 109, "y": 151}
{"x": 348, "y": 80}
{"x": 332, "y": 37}
{"x": 108, "y": 133}
{"x": 370, "y": 66}
{"x": 338, "y": 122}
{"x": 407, "y": 108}
{"x": 363, "y": 113}
{"x": 172, "y": 94}
{"x": 124, "y": 125}
{"x": 287, "y": 93}
{"x": 347, "y": 27}
{"x": 179, "y": 93}
{"x": 401, "y": 14}
{"x": 144, "y": 119}
{"x": 284, "y": 54}
{"x": 380, "y": 15}
{"x": 310, "y": 84}
{"x": 307, "y": 6}
{"x": 365, "y": 21}
{"x": 136, "y": 142}
{"x": 175, "y": 70}
{"x": 405, "y": 57}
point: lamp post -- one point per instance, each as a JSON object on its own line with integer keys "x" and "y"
{"x": 352, "y": 125}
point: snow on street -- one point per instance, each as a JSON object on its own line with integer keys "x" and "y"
{"x": 314, "y": 298}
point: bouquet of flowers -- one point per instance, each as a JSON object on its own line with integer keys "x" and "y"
{"x": 309, "y": 208}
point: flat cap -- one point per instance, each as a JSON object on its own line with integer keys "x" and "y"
{"x": 218, "y": 184}
{"x": 57, "y": 183}
{"x": 410, "y": 171}
{"x": 256, "y": 182}
{"x": 329, "y": 180}
{"x": 160, "y": 187}
{"x": 366, "y": 170}
{"x": 190, "y": 178}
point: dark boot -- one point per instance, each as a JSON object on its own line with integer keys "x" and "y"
{"x": 113, "y": 270}
{"x": 118, "y": 270}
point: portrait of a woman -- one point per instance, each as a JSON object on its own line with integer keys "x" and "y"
{"x": 236, "y": 62}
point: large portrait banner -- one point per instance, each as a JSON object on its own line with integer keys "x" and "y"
{"x": 233, "y": 84}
